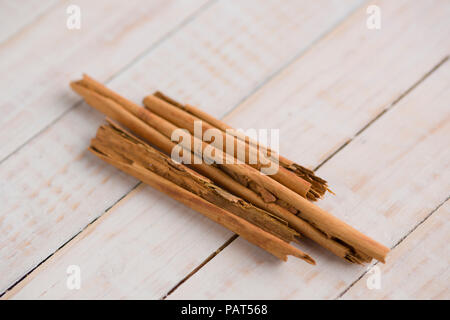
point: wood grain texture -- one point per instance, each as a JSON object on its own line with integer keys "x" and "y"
{"x": 402, "y": 143}
{"x": 167, "y": 242}
{"x": 40, "y": 62}
{"x": 173, "y": 64}
{"x": 51, "y": 189}
{"x": 345, "y": 81}
{"x": 418, "y": 267}
{"x": 50, "y": 192}
{"x": 231, "y": 50}
{"x": 15, "y": 16}
{"x": 388, "y": 180}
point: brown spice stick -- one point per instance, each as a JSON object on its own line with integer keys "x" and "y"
{"x": 283, "y": 176}
{"x": 185, "y": 120}
{"x": 119, "y": 141}
{"x": 348, "y": 252}
{"x": 114, "y": 106}
{"x": 117, "y": 112}
{"x": 330, "y": 226}
{"x": 120, "y": 156}
{"x": 318, "y": 185}
{"x": 344, "y": 251}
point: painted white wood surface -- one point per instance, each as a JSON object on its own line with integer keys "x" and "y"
{"x": 388, "y": 180}
{"x": 232, "y": 49}
{"x": 87, "y": 247}
{"x": 167, "y": 242}
{"x": 64, "y": 205}
{"x": 345, "y": 81}
{"x": 16, "y": 15}
{"x": 350, "y": 84}
{"x": 418, "y": 267}
{"x": 51, "y": 189}
{"x": 37, "y": 65}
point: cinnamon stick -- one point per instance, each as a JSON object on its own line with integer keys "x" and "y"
{"x": 115, "y": 106}
{"x": 186, "y": 121}
{"x": 128, "y": 153}
{"x": 119, "y": 141}
{"x": 319, "y": 186}
{"x": 329, "y": 224}
{"x": 312, "y": 221}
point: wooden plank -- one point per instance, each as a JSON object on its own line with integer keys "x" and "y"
{"x": 39, "y": 62}
{"x": 233, "y": 49}
{"x": 173, "y": 64}
{"x": 320, "y": 102}
{"x": 50, "y": 192}
{"x": 388, "y": 180}
{"x": 52, "y": 183}
{"x": 418, "y": 267}
{"x": 16, "y": 15}
{"x": 141, "y": 264}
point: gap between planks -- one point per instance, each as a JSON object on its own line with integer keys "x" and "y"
{"x": 135, "y": 60}
{"x": 147, "y": 51}
{"x": 340, "y": 148}
{"x": 155, "y": 45}
{"x": 384, "y": 111}
{"x": 393, "y": 247}
{"x": 90, "y": 224}
{"x": 211, "y": 256}
{"x": 296, "y": 57}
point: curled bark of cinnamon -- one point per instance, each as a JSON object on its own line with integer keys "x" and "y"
{"x": 241, "y": 180}
{"x": 130, "y": 154}
{"x": 184, "y": 120}
{"x": 319, "y": 186}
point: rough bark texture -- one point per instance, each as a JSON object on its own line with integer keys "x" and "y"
{"x": 132, "y": 155}
{"x": 319, "y": 186}
{"x": 240, "y": 179}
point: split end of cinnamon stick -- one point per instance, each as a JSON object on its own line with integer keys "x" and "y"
{"x": 315, "y": 186}
{"x": 133, "y": 156}
{"x": 310, "y": 220}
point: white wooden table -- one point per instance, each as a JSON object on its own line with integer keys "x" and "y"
{"x": 368, "y": 108}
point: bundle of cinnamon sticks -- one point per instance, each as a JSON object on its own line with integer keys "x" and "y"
{"x": 227, "y": 186}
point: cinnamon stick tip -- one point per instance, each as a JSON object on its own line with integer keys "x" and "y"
{"x": 146, "y": 98}
{"x": 87, "y": 77}
{"x": 75, "y": 85}
{"x": 305, "y": 258}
